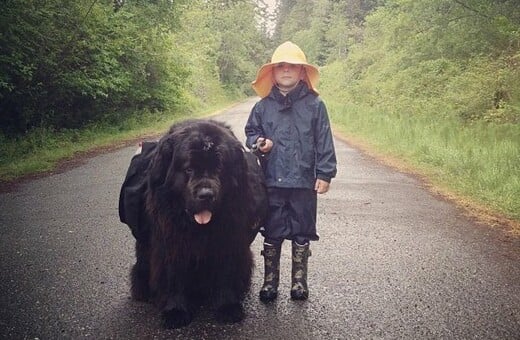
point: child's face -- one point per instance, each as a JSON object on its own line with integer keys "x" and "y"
{"x": 287, "y": 75}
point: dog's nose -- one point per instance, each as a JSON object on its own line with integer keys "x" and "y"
{"x": 205, "y": 194}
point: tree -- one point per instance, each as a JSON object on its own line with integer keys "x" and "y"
{"x": 323, "y": 28}
{"x": 64, "y": 64}
{"x": 439, "y": 57}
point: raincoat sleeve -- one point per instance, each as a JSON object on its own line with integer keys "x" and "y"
{"x": 253, "y": 129}
{"x": 325, "y": 153}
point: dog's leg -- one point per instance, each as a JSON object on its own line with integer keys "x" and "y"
{"x": 140, "y": 273}
{"x": 231, "y": 285}
{"x": 177, "y": 311}
{"x": 168, "y": 285}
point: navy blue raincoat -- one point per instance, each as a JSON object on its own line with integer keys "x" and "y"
{"x": 298, "y": 124}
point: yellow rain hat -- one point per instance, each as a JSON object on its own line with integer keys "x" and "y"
{"x": 285, "y": 53}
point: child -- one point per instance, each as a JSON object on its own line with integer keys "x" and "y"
{"x": 290, "y": 128}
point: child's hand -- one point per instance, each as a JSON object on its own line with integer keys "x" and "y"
{"x": 321, "y": 186}
{"x": 264, "y": 144}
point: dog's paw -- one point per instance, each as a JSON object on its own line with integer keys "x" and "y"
{"x": 230, "y": 313}
{"x": 176, "y": 318}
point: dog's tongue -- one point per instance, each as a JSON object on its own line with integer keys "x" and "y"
{"x": 203, "y": 217}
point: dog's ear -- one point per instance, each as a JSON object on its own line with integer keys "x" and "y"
{"x": 161, "y": 162}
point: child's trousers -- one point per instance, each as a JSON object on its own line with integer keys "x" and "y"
{"x": 292, "y": 216}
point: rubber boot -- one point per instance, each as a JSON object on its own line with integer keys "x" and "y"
{"x": 271, "y": 255}
{"x": 300, "y": 257}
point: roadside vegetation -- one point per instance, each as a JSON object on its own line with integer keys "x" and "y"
{"x": 77, "y": 75}
{"x": 432, "y": 83}
{"x": 437, "y": 84}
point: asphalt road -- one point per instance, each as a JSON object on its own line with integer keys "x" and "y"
{"x": 393, "y": 262}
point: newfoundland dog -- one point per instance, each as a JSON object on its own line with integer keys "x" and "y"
{"x": 194, "y": 201}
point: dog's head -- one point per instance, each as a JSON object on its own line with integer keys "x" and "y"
{"x": 198, "y": 167}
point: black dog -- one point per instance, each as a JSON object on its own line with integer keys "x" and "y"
{"x": 194, "y": 201}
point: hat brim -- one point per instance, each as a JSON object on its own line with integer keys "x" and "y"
{"x": 264, "y": 78}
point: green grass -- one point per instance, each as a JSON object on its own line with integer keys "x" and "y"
{"x": 42, "y": 149}
{"x": 479, "y": 161}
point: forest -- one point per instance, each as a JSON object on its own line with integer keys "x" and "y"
{"x": 433, "y": 82}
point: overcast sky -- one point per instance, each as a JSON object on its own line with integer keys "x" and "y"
{"x": 271, "y": 6}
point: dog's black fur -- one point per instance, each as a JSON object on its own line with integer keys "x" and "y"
{"x": 203, "y": 203}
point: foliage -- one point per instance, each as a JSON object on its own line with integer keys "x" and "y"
{"x": 74, "y": 75}
{"x": 66, "y": 64}
{"x": 240, "y": 45}
{"x": 479, "y": 161}
{"x": 324, "y": 29}
{"x": 439, "y": 58}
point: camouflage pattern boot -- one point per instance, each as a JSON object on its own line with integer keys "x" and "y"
{"x": 300, "y": 256}
{"x": 271, "y": 255}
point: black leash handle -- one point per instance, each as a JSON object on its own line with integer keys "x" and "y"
{"x": 255, "y": 149}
